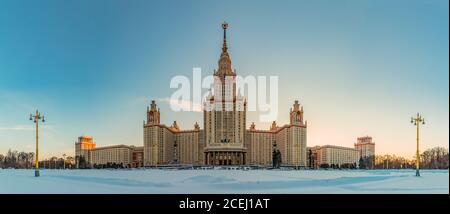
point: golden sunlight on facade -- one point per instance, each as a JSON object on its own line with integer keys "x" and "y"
{"x": 224, "y": 139}
{"x": 87, "y": 152}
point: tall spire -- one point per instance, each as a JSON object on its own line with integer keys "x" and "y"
{"x": 224, "y": 47}
{"x": 224, "y": 61}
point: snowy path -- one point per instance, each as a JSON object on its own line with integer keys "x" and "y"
{"x": 223, "y": 181}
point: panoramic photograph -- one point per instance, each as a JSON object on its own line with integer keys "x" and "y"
{"x": 237, "y": 97}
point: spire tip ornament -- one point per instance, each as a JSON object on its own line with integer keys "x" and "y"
{"x": 224, "y": 25}
{"x": 224, "y": 61}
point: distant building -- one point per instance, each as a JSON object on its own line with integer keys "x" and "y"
{"x": 337, "y": 155}
{"x": 365, "y": 146}
{"x": 138, "y": 157}
{"x": 118, "y": 154}
{"x": 82, "y": 148}
{"x": 87, "y": 152}
{"x": 330, "y": 154}
{"x": 312, "y": 160}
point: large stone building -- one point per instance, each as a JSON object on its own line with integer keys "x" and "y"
{"x": 290, "y": 139}
{"x": 170, "y": 145}
{"x": 82, "y": 148}
{"x": 339, "y": 155}
{"x": 119, "y": 154}
{"x": 86, "y": 151}
{"x": 333, "y": 155}
{"x": 365, "y": 146}
{"x": 224, "y": 139}
{"x": 138, "y": 157}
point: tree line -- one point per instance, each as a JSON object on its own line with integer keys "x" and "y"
{"x": 434, "y": 158}
{"x": 26, "y": 160}
{"x": 82, "y": 163}
{"x": 15, "y": 159}
{"x": 338, "y": 166}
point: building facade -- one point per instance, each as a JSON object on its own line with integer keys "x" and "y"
{"x": 118, "y": 154}
{"x": 365, "y": 146}
{"x": 329, "y": 154}
{"x": 312, "y": 159}
{"x": 336, "y": 155}
{"x": 87, "y": 152}
{"x": 168, "y": 144}
{"x": 224, "y": 139}
{"x": 138, "y": 157}
{"x": 289, "y": 139}
{"x": 82, "y": 148}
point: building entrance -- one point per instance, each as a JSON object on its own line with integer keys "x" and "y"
{"x": 225, "y": 158}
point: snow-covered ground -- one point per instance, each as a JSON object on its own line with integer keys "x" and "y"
{"x": 224, "y": 181}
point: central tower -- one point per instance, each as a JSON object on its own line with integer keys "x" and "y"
{"x": 224, "y": 115}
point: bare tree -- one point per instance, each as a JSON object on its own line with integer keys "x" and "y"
{"x": 30, "y": 159}
{"x": 70, "y": 161}
{"x": 2, "y": 161}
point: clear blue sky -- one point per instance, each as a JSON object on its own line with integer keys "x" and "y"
{"x": 359, "y": 67}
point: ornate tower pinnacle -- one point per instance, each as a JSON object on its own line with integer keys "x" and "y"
{"x": 153, "y": 114}
{"x": 296, "y": 114}
{"x": 224, "y": 26}
{"x": 224, "y": 61}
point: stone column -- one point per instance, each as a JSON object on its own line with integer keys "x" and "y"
{"x": 233, "y": 158}
{"x": 226, "y": 158}
{"x": 217, "y": 155}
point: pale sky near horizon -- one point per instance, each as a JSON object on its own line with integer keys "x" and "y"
{"x": 358, "y": 67}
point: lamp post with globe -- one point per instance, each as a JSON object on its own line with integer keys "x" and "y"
{"x": 416, "y": 121}
{"x": 35, "y": 118}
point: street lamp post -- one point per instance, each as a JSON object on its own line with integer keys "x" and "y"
{"x": 416, "y": 121}
{"x": 35, "y": 118}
